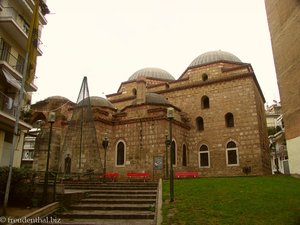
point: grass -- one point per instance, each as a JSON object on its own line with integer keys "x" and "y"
{"x": 268, "y": 200}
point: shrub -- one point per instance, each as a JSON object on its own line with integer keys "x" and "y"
{"x": 21, "y": 188}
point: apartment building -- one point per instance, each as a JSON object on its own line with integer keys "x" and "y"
{"x": 284, "y": 26}
{"x": 276, "y": 132}
{"x": 15, "y": 20}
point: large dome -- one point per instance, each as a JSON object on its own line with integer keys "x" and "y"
{"x": 152, "y": 73}
{"x": 214, "y": 56}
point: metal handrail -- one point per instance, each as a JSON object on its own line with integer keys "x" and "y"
{"x": 14, "y": 62}
{"x": 10, "y": 12}
{"x": 7, "y": 104}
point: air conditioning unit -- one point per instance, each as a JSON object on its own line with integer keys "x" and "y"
{"x": 9, "y": 103}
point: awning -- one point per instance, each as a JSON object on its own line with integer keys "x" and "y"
{"x": 11, "y": 80}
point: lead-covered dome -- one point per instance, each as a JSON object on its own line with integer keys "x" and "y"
{"x": 152, "y": 72}
{"x": 153, "y": 98}
{"x": 98, "y": 102}
{"x": 214, "y": 56}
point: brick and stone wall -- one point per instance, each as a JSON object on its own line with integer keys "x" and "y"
{"x": 142, "y": 125}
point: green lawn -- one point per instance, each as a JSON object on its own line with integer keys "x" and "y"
{"x": 270, "y": 200}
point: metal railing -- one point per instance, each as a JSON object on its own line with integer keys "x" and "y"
{"x": 11, "y": 13}
{"x": 8, "y": 105}
{"x": 14, "y": 62}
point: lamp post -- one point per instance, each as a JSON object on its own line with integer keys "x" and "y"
{"x": 105, "y": 145}
{"x": 167, "y": 159}
{"x": 51, "y": 120}
{"x": 170, "y": 116}
{"x": 273, "y": 148}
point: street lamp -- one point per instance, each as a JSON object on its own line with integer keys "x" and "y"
{"x": 51, "y": 120}
{"x": 105, "y": 145}
{"x": 273, "y": 148}
{"x": 170, "y": 116}
{"x": 167, "y": 145}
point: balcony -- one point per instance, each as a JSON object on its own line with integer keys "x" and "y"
{"x": 16, "y": 63}
{"x": 16, "y": 26}
{"x": 12, "y": 67}
{"x": 8, "y": 109}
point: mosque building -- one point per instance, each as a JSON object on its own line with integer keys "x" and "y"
{"x": 218, "y": 125}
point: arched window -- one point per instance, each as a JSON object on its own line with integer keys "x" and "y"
{"x": 229, "y": 120}
{"x": 200, "y": 123}
{"x": 204, "y": 156}
{"x": 120, "y": 154}
{"x": 204, "y": 102}
{"x": 184, "y": 155}
{"x": 174, "y": 155}
{"x": 134, "y": 91}
{"x": 232, "y": 157}
{"x": 204, "y": 77}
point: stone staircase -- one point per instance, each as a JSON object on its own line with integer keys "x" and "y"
{"x": 113, "y": 203}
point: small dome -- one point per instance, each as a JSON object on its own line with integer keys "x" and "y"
{"x": 156, "y": 99}
{"x": 214, "y": 56}
{"x": 100, "y": 102}
{"x": 152, "y": 73}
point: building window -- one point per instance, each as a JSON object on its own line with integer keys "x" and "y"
{"x": 204, "y": 77}
{"x": 200, "y": 123}
{"x": 232, "y": 157}
{"x": 20, "y": 64}
{"x": 134, "y": 92}
{"x": 174, "y": 155}
{"x": 204, "y": 156}
{"x": 8, "y": 137}
{"x": 204, "y": 102}
{"x": 120, "y": 154}
{"x": 4, "y": 50}
{"x": 184, "y": 155}
{"x": 28, "y": 155}
{"x": 229, "y": 120}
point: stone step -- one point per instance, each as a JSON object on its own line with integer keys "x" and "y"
{"x": 112, "y": 203}
{"x": 118, "y": 201}
{"x": 113, "y": 184}
{"x": 111, "y": 188}
{"x": 107, "y": 214}
{"x": 67, "y": 221}
{"x": 122, "y": 196}
{"x": 124, "y": 191}
{"x": 127, "y": 207}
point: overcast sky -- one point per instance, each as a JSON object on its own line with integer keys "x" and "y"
{"x": 108, "y": 41}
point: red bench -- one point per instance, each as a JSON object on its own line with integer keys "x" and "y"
{"x": 111, "y": 175}
{"x": 143, "y": 176}
{"x": 186, "y": 174}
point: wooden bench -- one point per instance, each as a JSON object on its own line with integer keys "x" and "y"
{"x": 143, "y": 176}
{"x": 186, "y": 174}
